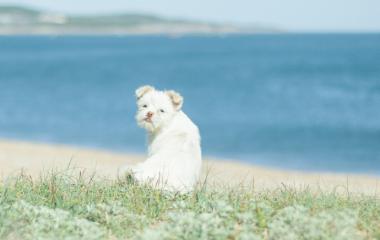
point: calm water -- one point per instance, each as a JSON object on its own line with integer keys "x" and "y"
{"x": 295, "y": 101}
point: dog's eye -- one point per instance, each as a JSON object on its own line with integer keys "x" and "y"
{"x": 162, "y": 110}
{"x": 144, "y": 106}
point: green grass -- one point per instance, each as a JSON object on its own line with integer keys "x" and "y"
{"x": 69, "y": 206}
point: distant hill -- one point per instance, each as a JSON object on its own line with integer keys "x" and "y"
{"x": 21, "y": 20}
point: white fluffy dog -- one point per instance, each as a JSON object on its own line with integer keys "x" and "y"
{"x": 174, "y": 153}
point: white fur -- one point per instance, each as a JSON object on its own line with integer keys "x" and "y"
{"x": 174, "y": 154}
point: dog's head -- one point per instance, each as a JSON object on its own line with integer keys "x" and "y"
{"x": 156, "y": 108}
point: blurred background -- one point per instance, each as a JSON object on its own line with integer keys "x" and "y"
{"x": 290, "y": 84}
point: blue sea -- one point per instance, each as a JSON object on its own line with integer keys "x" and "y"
{"x": 295, "y": 101}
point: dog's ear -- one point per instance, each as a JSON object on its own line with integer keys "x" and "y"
{"x": 176, "y": 98}
{"x": 141, "y": 91}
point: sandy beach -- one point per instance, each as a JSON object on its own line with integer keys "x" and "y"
{"x": 37, "y": 158}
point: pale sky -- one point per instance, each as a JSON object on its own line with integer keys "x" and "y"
{"x": 293, "y": 15}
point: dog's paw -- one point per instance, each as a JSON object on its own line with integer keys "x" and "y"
{"x": 126, "y": 175}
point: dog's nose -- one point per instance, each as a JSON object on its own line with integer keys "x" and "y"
{"x": 149, "y": 114}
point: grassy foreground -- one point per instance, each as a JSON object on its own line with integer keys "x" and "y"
{"x": 69, "y": 206}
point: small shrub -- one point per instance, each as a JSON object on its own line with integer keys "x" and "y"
{"x": 295, "y": 222}
{"x": 25, "y": 221}
{"x": 114, "y": 217}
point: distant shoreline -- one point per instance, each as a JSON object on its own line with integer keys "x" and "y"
{"x": 24, "y": 20}
{"x": 125, "y": 33}
{"x": 133, "y": 33}
{"x": 168, "y": 34}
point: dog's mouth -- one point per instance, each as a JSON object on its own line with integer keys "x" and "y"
{"x": 148, "y": 124}
{"x": 149, "y": 120}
